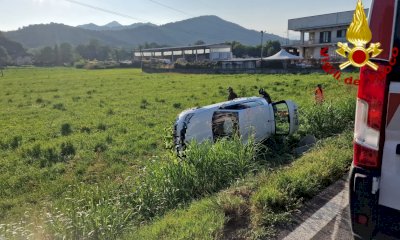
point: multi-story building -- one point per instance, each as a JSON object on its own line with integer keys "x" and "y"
{"x": 319, "y": 31}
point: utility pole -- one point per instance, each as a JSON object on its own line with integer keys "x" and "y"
{"x": 262, "y": 47}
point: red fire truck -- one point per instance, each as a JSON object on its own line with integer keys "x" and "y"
{"x": 375, "y": 173}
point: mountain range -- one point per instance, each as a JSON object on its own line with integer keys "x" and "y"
{"x": 113, "y": 26}
{"x": 209, "y": 29}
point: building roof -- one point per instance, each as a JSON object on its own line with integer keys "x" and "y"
{"x": 282, "y": 55}
{"x": 241, "y": 60}
{"x": 183, "y": 48}
{"x": 339, "y": 19}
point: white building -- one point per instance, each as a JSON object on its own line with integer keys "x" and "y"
{"x": 320, "y": 31}
{"x": 210, "y": 52}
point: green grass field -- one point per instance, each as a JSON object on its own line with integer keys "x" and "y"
{"x": 75, "y": 142}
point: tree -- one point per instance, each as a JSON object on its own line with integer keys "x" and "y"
{"x": 239, "y": 50}
{"x": 272, "y": 47}
{"x": 103, "y": 53}
{"x": 56, "y": 56}
{"x": 45, "y": 57}
{"x": 4, "y": 57}
{"x": 82, "y": 51}
{"x": 93, "y": 49}
{"x": 66, "y": 53}
{"x": 121, "y": 54}
{"x": 199, "y": 42}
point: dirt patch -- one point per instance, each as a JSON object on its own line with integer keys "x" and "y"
{"x": 238, "y": 225}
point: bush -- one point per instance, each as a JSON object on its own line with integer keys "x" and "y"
{"x": 59, "y": 106}
{"x": 100, "y": 147}
{"x": 67, "y": 150}
{"x": 33, "y": 153}
{"x": 85, "y": 129}
{"x": 177, "y": 105}
{"x": 15, "y": 142}
{"x": 144, "y": 104}
{"x": 50, "y": 156}
{"x": 66, "y": 129}
{"x": 102, "y": 127}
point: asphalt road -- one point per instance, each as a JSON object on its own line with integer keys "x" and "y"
{"x": 324, "y": 217}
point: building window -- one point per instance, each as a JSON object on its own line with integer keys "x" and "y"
{"x": 312, "y": 37}
{"x": 341, "y": 33}
{"x": 325, "y": 37}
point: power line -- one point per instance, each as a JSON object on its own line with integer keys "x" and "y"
{"x": 106, "y": 10}
{"x": 172, "y": 8}
{"x": 190, "y": 32}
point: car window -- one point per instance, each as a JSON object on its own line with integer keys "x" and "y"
{"x": 225, "y": 124}
{"x": 243, "y": 105}
{"x": 282, "y": 119}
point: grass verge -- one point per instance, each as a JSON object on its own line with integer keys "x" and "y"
{"x": 202, "y": 220}
{"x": 264, "y": 202}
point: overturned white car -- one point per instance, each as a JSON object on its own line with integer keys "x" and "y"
{"x": 252, "y": 116}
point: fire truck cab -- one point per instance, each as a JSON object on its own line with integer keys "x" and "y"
{"x": 374, "y": 183}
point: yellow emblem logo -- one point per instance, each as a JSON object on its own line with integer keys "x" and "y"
{"x": 359, "y": 34}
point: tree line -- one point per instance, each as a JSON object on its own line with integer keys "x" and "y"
{"x": 66, "y": 54}
{"x": 242, "y": 51}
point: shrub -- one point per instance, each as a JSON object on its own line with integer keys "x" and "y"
{"x": 50, "y": 156}
{"x": 177, "y": 105}
{"x": 15, "y": 142}
{"x": 59, "y": 106}
{"x": 66, "y": 129}
{"x": 67, "y": 150}
{"x": 144, "y": 104}
{"x": 80, "y": 64}
{"x": 110, "y": 112}
{"x": 109, "y": 139}
{"x": 34, "y": 152}
{"x": 102, "y": 127}
{"x": 85, "y": 129}
{"x": 159, "y": 100}
{"x": 100, "y": 147}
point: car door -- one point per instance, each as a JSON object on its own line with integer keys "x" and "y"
{"x": 286, "y": 117}
{"x": 390, "y": 175}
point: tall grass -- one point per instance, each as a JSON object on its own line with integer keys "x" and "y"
{"x": 329, "y": 118}
{"x": 206, "y": 168}
{"x": 284, "y": 190}
{"x": 94, "y": 212}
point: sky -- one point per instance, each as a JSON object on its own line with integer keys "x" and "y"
{"x": 261, "y": 15}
